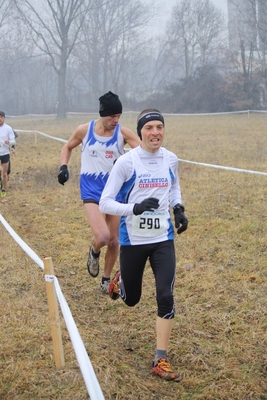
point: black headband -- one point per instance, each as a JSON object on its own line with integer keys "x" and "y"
{"x": 151, "y": 116}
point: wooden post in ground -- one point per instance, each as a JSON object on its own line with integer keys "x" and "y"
{"x": 54, "y": 313}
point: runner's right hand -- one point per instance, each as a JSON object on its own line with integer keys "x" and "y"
{"x": 63, "y": 175}
{"x": 149, "y": 204}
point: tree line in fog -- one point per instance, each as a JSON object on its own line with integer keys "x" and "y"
{"x": 61, "y": 55}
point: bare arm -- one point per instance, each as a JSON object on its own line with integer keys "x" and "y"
{"x": 129, "y": 137}
{"x": 74, "y": 141}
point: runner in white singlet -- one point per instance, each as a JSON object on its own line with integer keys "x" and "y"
{"x": 7, "y": 140}
{"x": 102, "y": 143}
{"x": 147, "y": 180}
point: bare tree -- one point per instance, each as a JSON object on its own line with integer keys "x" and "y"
{"x": 55, "y": 26}
{"x": 5, "y": 7}
{"x": 14, "y": 50}
{"x": 113, "y": 37}
{"x": 248, "y": 39}
{"x": 194, "y": 32}
{"x": 248, "y": 34}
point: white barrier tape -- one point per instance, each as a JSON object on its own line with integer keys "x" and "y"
{"x": 87, "y": 370}
{"x": 52, "y": 137}
{"x": 43, "y": 134}
{"x": 31, "y": 115}
{"x": 49, "y": 278}
{"x": 137, "y": 112}
{"x": 24, "y": 130}
{"x": 209, "y": 114}
{"x": 187, "y": 161}
{"x": 22, "y": 244}
{"x": 227, "y": 168}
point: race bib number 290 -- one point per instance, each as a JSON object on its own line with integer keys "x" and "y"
{"x": 149, "y": 224}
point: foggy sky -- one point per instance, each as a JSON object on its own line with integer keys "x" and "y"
{"x": 168, "y": 4}
{"x": 164, "y": 8}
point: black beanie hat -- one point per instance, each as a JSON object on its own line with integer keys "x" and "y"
{"x": 2, "y": 113}
{"x": 110, "y": 104}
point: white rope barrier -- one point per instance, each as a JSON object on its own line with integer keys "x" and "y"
{"x": 226, "y": 168}
{"x": 52, "y": 137}
{"x": 86, "y": 368}
{"x": 43, "y": 134}
{"x": 209, "y": 114}
{"x": 186, "y": 161}
{"x": 22, "y": 244}
{"x": 137, "y": 112}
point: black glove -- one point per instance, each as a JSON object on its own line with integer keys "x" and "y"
{"x": 149, "y": 204}
{"x": 180, "y": 218}
{"x": 63, "y": 175}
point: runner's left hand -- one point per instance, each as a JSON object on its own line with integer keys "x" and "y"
{"x": 180, "y": 218}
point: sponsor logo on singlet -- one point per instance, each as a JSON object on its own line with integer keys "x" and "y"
{"x": 153, "y": 182}
{"x": 109, "y": 154}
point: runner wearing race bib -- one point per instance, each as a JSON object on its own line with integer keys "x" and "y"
{"x": 147, "y": 180}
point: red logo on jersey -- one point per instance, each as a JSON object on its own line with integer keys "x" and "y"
{"x": 108, "y": 154}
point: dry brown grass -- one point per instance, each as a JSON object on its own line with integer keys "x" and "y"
{"x": 219, "y": 338}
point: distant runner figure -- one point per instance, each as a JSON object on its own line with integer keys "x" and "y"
{"x": 7, "y": 140}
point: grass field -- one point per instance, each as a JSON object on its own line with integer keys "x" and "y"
{"x": 219, "y": 341}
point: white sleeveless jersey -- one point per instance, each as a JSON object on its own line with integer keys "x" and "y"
{"x": 139, "y": 175}
{"x": 6, "y": 133}
{"x": 97, "y": 158}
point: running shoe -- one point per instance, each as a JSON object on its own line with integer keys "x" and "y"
{"x": 163, "y": 370}
{"x": 93, "y": 264}
{"x": 104, "y": 285}
{"x": 3, "y": 193}
{"x": 114, "y": 285}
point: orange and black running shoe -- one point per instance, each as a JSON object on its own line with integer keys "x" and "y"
{"x": 163, "y": 370}
{"x": 114, "y": 285}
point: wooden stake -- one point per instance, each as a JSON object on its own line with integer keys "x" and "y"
{"x": 54, "y": 314}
